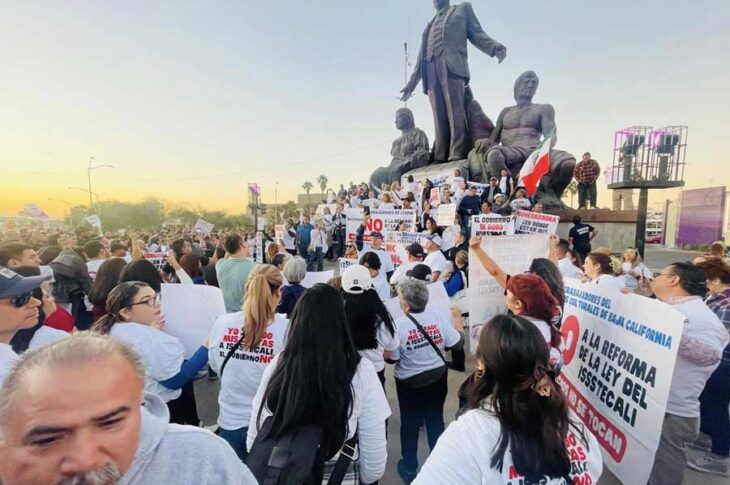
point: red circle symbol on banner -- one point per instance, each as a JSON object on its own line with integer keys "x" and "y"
{"x": 571, "y": 335}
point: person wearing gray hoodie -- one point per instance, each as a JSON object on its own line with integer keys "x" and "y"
{"x": 70, "y": 413}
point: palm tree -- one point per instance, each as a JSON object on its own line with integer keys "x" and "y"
{"x": 307, "y": 186}
{"x": 322, "y": 181}
{"x": 571, "y": 189}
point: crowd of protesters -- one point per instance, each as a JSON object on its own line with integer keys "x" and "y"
{"x": 303, "y": 370}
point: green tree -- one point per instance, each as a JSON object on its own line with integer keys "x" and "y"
{"x": 307, "y": 186}
{"x": 571, "y": 190}
{"x": 322, "y": 180}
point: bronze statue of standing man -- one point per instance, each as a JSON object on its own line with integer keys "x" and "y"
{"x": 443, "y": 68}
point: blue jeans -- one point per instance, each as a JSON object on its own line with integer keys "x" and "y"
{"x": 418, "y": 407}
{"x": 237, "y": 439}
{"x": 315, "y": 261}
{"x": 714, "y": 416}
{"x": 304, "y": 251}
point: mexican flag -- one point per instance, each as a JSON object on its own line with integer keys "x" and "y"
{"x": 536, "y": 165}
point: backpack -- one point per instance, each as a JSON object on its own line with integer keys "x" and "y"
{"x": 295, "y": 458}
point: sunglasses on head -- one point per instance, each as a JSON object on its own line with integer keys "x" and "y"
{"x": 21, "y": 300}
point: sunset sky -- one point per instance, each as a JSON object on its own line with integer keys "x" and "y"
{"x": 191, "y": 100}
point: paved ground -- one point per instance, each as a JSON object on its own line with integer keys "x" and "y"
{"x": 207, "y": 394}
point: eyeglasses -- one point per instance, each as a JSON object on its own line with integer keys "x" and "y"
{"x": 21, "y": 300}
{"x": 151, "y": 302}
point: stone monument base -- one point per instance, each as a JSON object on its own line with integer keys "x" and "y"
{"x": 616, "y": 229}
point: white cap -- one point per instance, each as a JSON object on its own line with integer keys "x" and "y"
{"x": 436, "y": 239}
{"x": 356, "y": 279}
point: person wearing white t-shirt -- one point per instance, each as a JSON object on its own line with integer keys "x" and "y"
{"x": 516, "y": 400}
{"x": 559, "y": 255}
{"x": 415, "y": 256}
{"x": 456, "y": 181}
{"x": 421, "y": 372}
{"x": 135, "y": 318}
{"x": 18, "y": 310}
{"x": 704, "y": 338}
{"x": 634, "y": 269}
{"x": 599, "y": 268}
{"x": 338, "y": 390}
{"x": 376, "y": 246}
{"x": 97, "y": 254}
{"x": 251, "y": 338}
{"x": 371, "y": 326}
{"x": 371, "y": 261}
{"x": 434, "y": 259}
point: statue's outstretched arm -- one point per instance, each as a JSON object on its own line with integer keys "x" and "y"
{"x": 479, "y": 38}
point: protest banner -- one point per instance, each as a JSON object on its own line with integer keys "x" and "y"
{"x": 93, "y": 220}
{"x": 445, "y": 215}
{"x": 434, "y": 197}
{"x": 491, "y": 225}
{"x": 279, "y": 232}
{"x": 527, "y": 222}
{"x": 438, "y": 300}
{"x": 203, "y": 226}
{"x": 190, "y": 311}
{"x": 381, "y": 220}
{"x": 396, "y": 243}
{"x": 344, "y": 263}
{"x": 480, "y": 187}
{"x": 314, "y": 277}
{"x": 619, "y": 358}
{"x": 156, "y": 258}
{"x": 259, "y": 247}
{"x": 513, "y": 254}
{"x": 34, "y": 211}
{"x": 320, "y": 209}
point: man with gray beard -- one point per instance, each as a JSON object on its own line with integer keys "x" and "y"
{"x": 70, "y": 414}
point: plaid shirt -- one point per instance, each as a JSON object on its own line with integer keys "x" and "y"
{"x": 587, "y": 172}
{"x": 720, "y": 305}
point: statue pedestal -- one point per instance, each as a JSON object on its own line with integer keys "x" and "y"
{"x": 616, "y": 229}
{"x": 437, "y": 172}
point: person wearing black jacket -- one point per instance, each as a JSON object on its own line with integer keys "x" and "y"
{"x": 491, "y": 191}
{"x": 470, "y": 206}
{"x": 461, "y": 245}
{"x": 72, "y": 283}
{"x": 340, "y": 222}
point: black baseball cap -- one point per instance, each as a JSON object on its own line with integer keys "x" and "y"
{"x": 420, "y": 272}
{"x": 12, "y": 284}
{"x": 416, "y": 250}
{"x": 376, "y": 234}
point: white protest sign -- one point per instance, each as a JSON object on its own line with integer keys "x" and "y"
{"x": 279, "y": 232}
{"x": 435, "y": 197}
{"x": 203, "y": 226}
{"x": 190, "y": 311}
{"x": 381, "y": 220}
{"x": 396, "y": 244}
{"x": 259, "y": 247}
{"x": 156, "y": 258}
{"x": 527, "y": 222}
{"x": 491, "y": 225}
{"x": 320, "y": 208}
{"x": 34, "y": 211}
{"x": 344, "y": 263}
{"x": 445, "y": 215}
{"x": 619, "y": 358}
{"x": 513, "y": 254}
{"x": 314, "y": 277}
{"x": 438, "y": 301}
{"x": 93, "y": 220}
{"x": 480, "y": 187}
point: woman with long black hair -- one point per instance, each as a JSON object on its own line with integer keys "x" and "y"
{"x": 371, "y": 325}
{"x": 518, "y": 428}
{"x": 320, "y": 380}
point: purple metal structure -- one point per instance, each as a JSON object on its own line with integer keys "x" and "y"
{"x": 701, "y": 217}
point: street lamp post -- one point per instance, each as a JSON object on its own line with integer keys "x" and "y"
{"x": 276, "y": 203}
{"x": 88, "y": 176}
